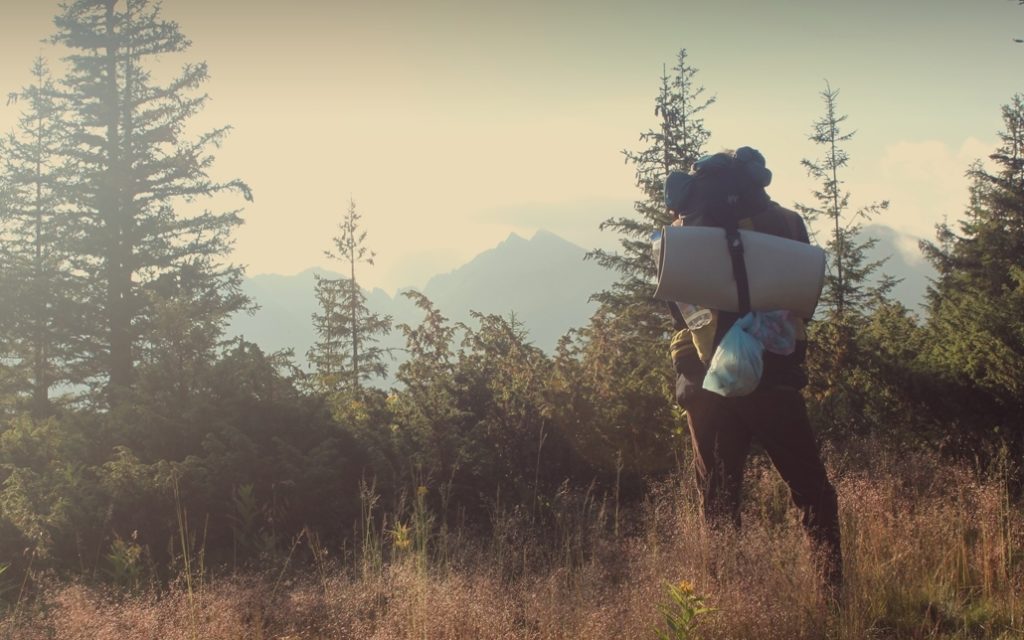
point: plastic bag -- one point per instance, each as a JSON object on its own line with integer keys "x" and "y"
{"x": 736, "y": 367}
{"x": 775, "y": 330}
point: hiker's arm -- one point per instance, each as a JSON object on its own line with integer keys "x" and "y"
{"x": 688, "y": 365}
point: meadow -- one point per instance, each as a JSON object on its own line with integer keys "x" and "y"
{"x": 932, "y": 550}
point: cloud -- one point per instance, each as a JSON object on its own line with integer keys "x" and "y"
{"x": 926, "y": 182}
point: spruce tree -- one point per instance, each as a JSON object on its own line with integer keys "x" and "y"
{"x": 634, "y": 391}
{"x": 346, "y": 354}
{"x": 977, "y": 300}
{"x": 136, "y": 167}
{"x": 851, "y": 286}
{"x": 40, "y": 287}
{"x": 434, "y": 428}
{"x": 849, "y": 383}
{"x": 676, "y": 144}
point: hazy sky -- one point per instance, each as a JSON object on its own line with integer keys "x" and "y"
{"x": 453, "y": 124}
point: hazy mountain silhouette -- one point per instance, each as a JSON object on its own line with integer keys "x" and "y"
{"x": 544, "y": 280}
{"x": 904, "y": 262}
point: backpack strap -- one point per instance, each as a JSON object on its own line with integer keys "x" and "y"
{"x": 739, "y": 267}
{"x": 678, "y": 323}
{"x": 735, "y": 245}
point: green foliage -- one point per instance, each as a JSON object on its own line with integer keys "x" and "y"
{"x": 38, "y": 285}
{"x": 615, "y": 372}
{"x": 976, "y": 304}
{"x": 71, "y": 486}
{"x": 859, "y": 358}
{"x": 849, "y": 287}
{"x": 49, "y": 497}
{"x": 676, "y": 144}
{"x": 611, "y": 394}
{"x": 870, "y": 377}
{"x": 125, "y": 563}
{"x": 503, "y": 376}
{"x": 135, "y": 172}
{"x": 346, "y": 354}
{"x": 434, "y": 427}
{"x": 251, "y": 538}
{"x": 682, "y": 613}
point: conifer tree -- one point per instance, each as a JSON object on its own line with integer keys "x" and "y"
{"x": 849, "y": 284}
{"x": 502, "y": 378}
{"x": 427, "y": 407}
{"x": 39, "y": 286}
{"x": 346, "y": 354}
{"x": 8, "y": 380}
{"x": 848, "y": 382}
{"x": 136, "y": 168}
{"x": 676, "y": 144}
{"x": 977, "y": 301}
{"x": 635, "y": 391}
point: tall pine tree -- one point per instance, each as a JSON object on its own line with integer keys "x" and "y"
{"x": 40, "y": 287}
{"x": 676, "y": 144}
{"x": 851, "y": 384}
{"x": 977, "y": 300}
{"x": 632, "y": 392}
{"x": 136, "y": 167}
{"x": 851, "y": 285}
{"x": 347, "y": 354}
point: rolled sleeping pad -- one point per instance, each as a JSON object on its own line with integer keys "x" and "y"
{"x": 695, "y": 267}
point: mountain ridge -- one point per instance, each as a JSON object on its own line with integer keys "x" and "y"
{"x": 514, "y": 275}
{"x": 544, "y": 280}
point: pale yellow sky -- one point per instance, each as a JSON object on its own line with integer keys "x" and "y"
{"x": 453, "y": 124}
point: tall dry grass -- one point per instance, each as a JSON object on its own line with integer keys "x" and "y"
{"x": 931, "y": 551}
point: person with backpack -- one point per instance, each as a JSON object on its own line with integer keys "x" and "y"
{"x": 728, "y": 190}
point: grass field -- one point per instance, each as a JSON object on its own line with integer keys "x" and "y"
{"x": 931, "y": 551}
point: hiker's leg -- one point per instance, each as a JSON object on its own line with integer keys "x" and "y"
{"x": 779, "y": 421}
{"x": 720, "y": 445}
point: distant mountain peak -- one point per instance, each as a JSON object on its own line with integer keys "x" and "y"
{"x": 547, "y": 238}
{"x": 544, "y": 279}
{"x": 541, "y": 239}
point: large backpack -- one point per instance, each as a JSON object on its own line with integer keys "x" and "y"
{"x": 720, "y": 191}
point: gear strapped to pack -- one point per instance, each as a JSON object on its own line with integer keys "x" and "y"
{"x": 734, "y": 243}
{"x": 728, "y": 185}
{"x": 739, "y": 268}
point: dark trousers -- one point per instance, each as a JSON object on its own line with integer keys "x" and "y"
{"x": 722, "y": 430}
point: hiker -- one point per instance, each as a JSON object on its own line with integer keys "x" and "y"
{"x": 728, "y": 190}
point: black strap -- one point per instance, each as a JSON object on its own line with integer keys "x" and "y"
{"x": 739, "y": 268}
{"x": 678, "y": 323}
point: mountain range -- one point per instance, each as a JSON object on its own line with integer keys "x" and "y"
{"x": 544, "y": 280}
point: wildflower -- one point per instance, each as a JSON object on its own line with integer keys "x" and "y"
{"x": 686, "y": 587}
{"x": 400, "y": 536}
{"x": 682, "y": 612}
{"x": 421, "y": 491}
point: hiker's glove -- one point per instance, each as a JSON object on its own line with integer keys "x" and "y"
{"x": 684, "y": 355}
{"x": 687, "y": 364}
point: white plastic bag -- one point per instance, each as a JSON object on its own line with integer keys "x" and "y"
{"x": 775, "y": 330}
{"x": 736, "y": 367}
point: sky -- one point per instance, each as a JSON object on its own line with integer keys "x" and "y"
{"x": 454, "y": 123}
